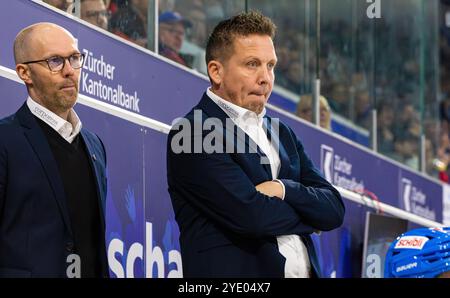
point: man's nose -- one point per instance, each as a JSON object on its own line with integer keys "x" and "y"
{"x": 67, "y": 70}
{"x": 264, "y": 76}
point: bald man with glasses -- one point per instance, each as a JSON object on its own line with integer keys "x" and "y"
{"x": 52, "y": 171}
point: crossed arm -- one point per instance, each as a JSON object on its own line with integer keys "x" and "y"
{"x": 217, "y": 186}
{"x": 316, "y": 201}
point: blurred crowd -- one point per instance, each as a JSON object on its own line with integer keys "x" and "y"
{"x": 346, "y": 65}
{"x": 443, "y": 152}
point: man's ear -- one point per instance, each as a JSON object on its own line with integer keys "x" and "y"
{"x": 215, "y": 71}
{"x": 24, "y": 73}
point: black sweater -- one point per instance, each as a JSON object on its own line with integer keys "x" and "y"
{"x": 82, "y": 199}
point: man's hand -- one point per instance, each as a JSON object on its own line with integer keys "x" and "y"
{"x": 271, "y": 189}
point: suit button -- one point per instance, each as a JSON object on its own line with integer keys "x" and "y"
{"x": 69, "y": 246}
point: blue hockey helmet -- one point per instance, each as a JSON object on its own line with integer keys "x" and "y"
{"x": 423, "y": 252}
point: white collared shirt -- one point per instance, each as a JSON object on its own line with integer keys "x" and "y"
{"x": 66, "y": 129}
{"x": 290, "y": 246}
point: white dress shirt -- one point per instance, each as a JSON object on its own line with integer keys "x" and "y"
{"x": 290, "y": 246}
{"x": 66, "y": 129}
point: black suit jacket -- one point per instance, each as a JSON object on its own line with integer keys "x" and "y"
{"x": 35, "y": 232}
{"x": 227, "y": 228}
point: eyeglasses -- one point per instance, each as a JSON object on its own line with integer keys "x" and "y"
{"x": 173, "y": 31}
{"x": 98, "y": 14}
{"x": 57, "y": 63}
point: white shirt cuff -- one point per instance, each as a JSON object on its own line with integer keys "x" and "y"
{"x": 282, "y": 185}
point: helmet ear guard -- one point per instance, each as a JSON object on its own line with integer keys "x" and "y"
{"x": 423, "y": 252}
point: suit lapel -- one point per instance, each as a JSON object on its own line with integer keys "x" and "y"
{"x": 265, "y": 163}
{"x": 95, "y": 166}
{"x": 272, "y": 127}
{"x": 40, "y": 145}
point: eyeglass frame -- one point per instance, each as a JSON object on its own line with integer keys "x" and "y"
{"x": 82, "y": 55}
{"x": 172, "y": 30}
{"x": 98, "y": 13}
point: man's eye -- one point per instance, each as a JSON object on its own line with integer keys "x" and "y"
{"x": 55, "y": 60}
{"x": 252, "y": 63}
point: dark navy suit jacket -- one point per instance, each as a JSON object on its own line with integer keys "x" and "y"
{"x": 227, "y": 228}
{"x": 35, "y": 232}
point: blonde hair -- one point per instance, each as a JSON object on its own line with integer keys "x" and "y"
{"x": 306, "y": 103}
